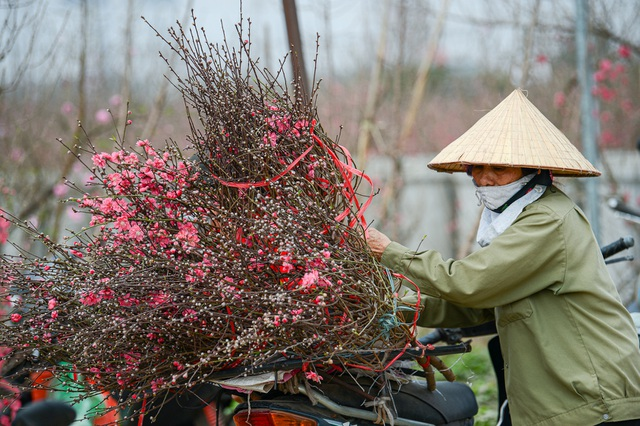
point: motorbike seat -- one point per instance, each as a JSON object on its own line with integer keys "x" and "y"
{"x": 450, "y": 403}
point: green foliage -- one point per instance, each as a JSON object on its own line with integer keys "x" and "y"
{"x": 475, "y": 369}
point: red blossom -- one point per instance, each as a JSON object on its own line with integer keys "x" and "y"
{"x": 542, "y": 59}
{"x": 127, "y": 301}
{"x": 190, "y": 315}
{"x": 132, "y": 158}
{"x": 605, "y": 93}
{"x": 559, "y": 100}
{"x": 90, "y": 299}
{"x": 605, "y": 65}
{"x": 608, "y": 139}
{"x": 624, "y": 51}
{"x": 4, "y": 229}
{"x": 188, "y": 234}
{"x": 600, "y": 76}
{"x": 76, "y": 253}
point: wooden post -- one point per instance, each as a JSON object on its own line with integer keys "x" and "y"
{"x": 295, "y": 44}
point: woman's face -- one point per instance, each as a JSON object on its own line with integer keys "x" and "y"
{"x": 495, "y": 175}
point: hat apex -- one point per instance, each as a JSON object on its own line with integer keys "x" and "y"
{"x": 514, "y": 134}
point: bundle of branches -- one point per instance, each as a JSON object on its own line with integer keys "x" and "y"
{"x": 247, "y": 249}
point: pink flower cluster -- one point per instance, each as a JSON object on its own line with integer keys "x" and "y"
{"x": 142, "y": 189}
{"x": 279, "y": 124}
{"x": 612, "y": 87}
{"x": 608, "y": 75}
{"x": 616, "y": 109}
{"x": 4, "y": 228}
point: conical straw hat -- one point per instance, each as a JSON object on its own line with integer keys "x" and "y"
{"x": 514, "y": 134}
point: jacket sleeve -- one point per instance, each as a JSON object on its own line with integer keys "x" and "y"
{"x": 527, "y": 258}
{"x": 441, "y": 313}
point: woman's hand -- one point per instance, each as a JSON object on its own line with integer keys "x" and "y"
{"x": 377, "y": 242}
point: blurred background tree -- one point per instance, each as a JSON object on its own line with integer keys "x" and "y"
{"x": 400, "y": 77}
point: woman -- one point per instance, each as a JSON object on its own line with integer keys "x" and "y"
{"x": 570, "y": 348}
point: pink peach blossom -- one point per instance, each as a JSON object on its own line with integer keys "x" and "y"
{"x": 102, "y": 116}
{"x": 90, "y": 299}
{"x": 624, "y": 51}
{"x": 313, "y": 376}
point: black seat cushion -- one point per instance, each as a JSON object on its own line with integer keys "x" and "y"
{"x": 450, "y": 402}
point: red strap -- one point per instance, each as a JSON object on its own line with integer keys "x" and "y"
{"x": 425, "y": 364}
{"x": 347, "y": 170}
{"x": 245, "y": 185}
{"x": 142, "y": 411}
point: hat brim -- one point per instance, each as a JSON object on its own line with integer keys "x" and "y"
{"x": 514, "y": 134}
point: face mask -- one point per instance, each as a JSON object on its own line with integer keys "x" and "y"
{"x": 494, "y": 197}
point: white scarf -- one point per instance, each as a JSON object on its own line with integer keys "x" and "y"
{"x": 493, "y": 224}
{"x": 494, "y": 197}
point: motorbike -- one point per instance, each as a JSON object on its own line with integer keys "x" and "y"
{"x": 404, "y": 394}
{"x": 401, "y": 395}
{"x": 344, "y": 397}
{"x": 349, "y": 399}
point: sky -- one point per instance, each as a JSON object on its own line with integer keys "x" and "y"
{"x": 477, "y": 33}
{"x": 348, "y": 31}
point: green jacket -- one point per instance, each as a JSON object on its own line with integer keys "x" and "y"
{"x": 570, "y": 347}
